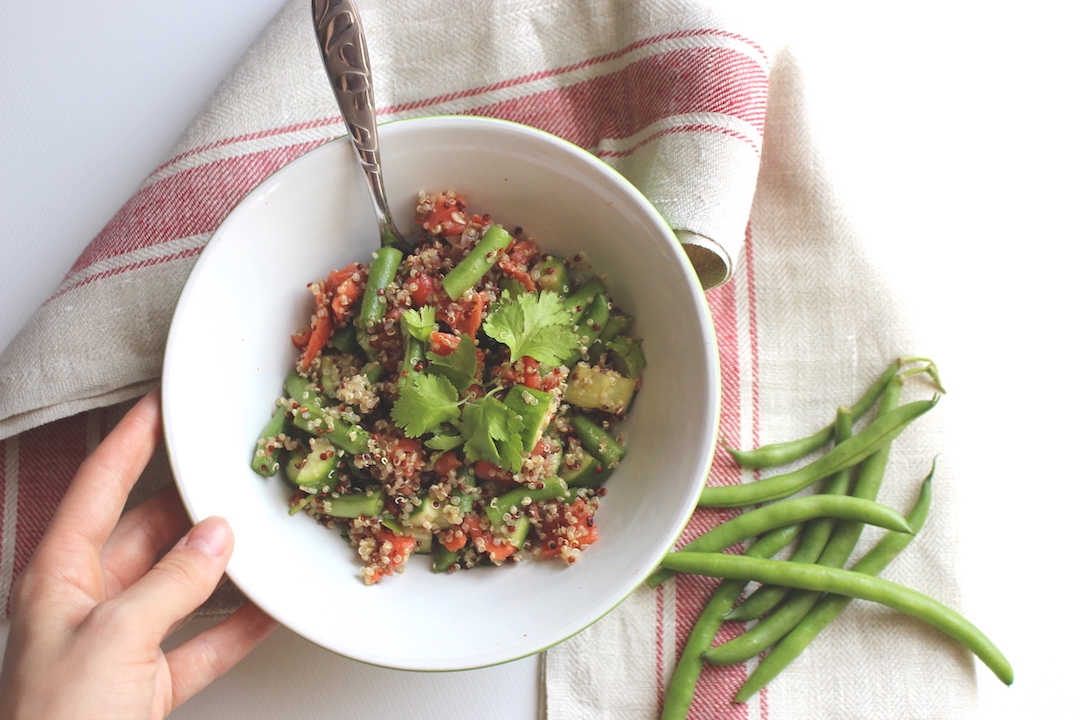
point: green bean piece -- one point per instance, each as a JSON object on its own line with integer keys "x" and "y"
{"x": 593, "y": 320}
{"x": 579, "y": 301}
{"x": 787, "y": 512}
{"x": 851, "y": 584}
{"x": 477, "y": 263}
{"x": 415, "y": 351}
{"x": 844, "y": 455}
{"x": 383, "y": 269}
{"x": 680, "y": 690}
{"x": 813, "y": 541}
{"x": 313, "y": 419}
{"x": 785, "y": 452}
{"x": 266, "y": 461}
{"x": 554, "y": 488}
{"x": 597, "y": 442}
{"x": 352, "y": 506}
{"x": 829, "y": 606}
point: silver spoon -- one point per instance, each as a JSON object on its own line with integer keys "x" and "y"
{"x": 345, "y": 55}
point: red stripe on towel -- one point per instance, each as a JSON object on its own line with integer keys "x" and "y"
{"x": 623, "y": 103}
{"x": 49, "y": 457}
{"x": 718, "y": 685}
{"x": 189, "y": 203}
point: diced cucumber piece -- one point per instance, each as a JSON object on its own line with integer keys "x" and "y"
{"x": 580, "y": 469}
{"x": 554, "y": 276}
{"x": 595, "y": 388}
{"x": 536, "y": 409}
{"x": 517, "y": 535}
{"x": 318, "y": 469}
{"x": 428, "y": 515}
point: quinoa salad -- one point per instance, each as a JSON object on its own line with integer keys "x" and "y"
{"x": 461, "y": 401}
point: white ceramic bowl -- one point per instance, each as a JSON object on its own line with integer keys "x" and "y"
{"x": 229, "y": 351}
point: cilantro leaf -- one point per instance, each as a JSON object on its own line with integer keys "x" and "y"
{"x": 536, "y": 325}
{"x": 444, "y": 441}
{"x": 493, "y": 433}
{"x": 425, "y": 403}
{"x": 420, "y": 322}
{"x": 459, "y": 367}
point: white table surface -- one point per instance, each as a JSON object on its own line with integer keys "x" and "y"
{"x": 951, "y": 133}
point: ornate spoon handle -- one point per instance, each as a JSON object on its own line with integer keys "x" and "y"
{"x": 345, "y": 56}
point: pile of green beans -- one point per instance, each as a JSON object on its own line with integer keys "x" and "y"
{"x": 800, "y": 596}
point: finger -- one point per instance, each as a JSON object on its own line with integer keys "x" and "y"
{"x": 142, "y": 535}
{"x": 178, "y": 583}
{"x": 92, "y": 505}
{"x": 209, "y": 655}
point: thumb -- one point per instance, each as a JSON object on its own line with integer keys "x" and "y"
{"x": 183, "y": 579}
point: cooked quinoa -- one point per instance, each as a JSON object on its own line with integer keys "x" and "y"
{"x": 459, "y": 402}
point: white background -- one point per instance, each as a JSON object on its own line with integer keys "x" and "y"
{"x": 951, "y": 132}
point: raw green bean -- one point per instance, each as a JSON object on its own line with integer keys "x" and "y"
{"x": 384, "y": 267}
{"x": 784, "y": 452}
{"x": 476, "y": 264}
{"x": 268, "y": 449}
{"x": 768, "y": 631}
{"x": 787, "y": 512}
{"x": 848, "y": 453}
{"x": 813, "y": 541}
{"x": 829, "y": 606}
{"x": 852, "y": 584}
{"x": 680, "y": 690}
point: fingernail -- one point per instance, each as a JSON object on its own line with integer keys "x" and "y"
{"x": 211, "y": 536}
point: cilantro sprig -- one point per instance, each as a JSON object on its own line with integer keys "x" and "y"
{"x": 431, "y": 403}
{"x": 534, "y": 324}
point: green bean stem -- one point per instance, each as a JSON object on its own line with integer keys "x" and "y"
{"x": 787, "y": 512}
{"x": 813, "y": 541}
{"x": 785, "y": 452}
{"x": 844, "y": 455}
{"x": 852, "y": 584}
{"x": 680, "y": 689}
{"x": 829, "y": 606}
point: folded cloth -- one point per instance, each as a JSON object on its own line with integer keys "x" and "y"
{"x": 806, "y": 324}
{"x": 672, "y": 93}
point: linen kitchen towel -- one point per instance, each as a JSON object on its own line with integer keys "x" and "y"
{"x": 673, "y": 94}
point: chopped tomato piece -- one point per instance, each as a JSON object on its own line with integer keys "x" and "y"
{"x": 485, "y": 541}
{"x": 426, "y": 288}
{"x": 464, "y": 316}
{"x": 320, "y": 335}
{"x": 300, "y": 338}
{"x": 447, "y": 461}
{"x": 453, "y": 539}
{"x": 442, "y": 214}
{"x": 443, "y": 343}
{"x": 489, "y": 471}
{"x": 525, "y": 371}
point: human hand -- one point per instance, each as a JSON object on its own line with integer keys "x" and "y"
{"x": 91, "y": 609}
